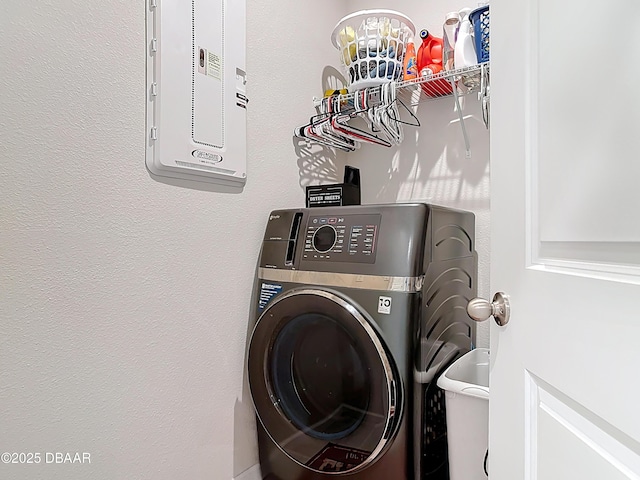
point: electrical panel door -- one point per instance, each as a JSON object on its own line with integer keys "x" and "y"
{"x": 196, "y": 89}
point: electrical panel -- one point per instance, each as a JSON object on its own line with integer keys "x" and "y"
{"x": 196, "y": 90}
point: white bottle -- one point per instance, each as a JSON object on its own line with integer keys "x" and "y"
{"x": 465, "y": 50}
{"x": 449, "y": 31}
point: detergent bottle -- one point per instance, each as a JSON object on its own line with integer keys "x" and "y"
{"x": 410, "y": 67}
{"x": 465, "y": 50}
{"x": 430, "y": 63}
{"x": 430, "y": 51}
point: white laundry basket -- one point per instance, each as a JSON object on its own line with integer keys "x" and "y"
{"x": 372, "y": 44}
{"x": 466, "y": 386}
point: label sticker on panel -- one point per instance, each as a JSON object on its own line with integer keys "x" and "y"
{"x": 267, "y": 292}
{"x": 209, "y": 63}
{"x": 384, "y": 305}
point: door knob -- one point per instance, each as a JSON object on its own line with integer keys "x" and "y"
{"x": 480, "y": 309}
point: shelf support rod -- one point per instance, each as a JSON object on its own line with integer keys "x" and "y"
{"x": 467, "y": 146}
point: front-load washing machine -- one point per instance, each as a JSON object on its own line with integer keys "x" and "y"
{"x": 357, "y": 309}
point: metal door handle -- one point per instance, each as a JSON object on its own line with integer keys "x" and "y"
{"x": 480, "y": 309}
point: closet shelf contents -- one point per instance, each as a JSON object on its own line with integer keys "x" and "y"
{"x": 379, "y": 109}
{"x": 432, "y": 86}
{"x": 385, "y": 77}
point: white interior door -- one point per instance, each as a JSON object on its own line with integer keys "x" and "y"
{"x": 565, "y": 181}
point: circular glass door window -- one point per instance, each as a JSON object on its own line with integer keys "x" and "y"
{"x": 321, "y": 380}
{"x": 320, "y": 376}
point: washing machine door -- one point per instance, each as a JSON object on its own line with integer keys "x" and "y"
{"x": 322, "y": 383}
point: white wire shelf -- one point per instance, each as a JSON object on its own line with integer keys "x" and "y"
{"x": 409, "y": 93}
{"x": 464, "y": 80}
{"x": 441, "y": 85}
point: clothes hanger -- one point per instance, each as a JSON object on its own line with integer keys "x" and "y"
{"x": 339, "y": 122}
{"x": 383, "y": 114}
{"x": 397, "y": 100}
{"x": 307, "y": 133}
{"x": 315, "y": 131}
{"x": 325, "y": 127}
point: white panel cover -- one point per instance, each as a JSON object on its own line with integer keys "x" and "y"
{"x": 196, "y": 109}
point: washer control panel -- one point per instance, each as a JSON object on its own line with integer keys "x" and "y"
{"x": 347, "y": 238}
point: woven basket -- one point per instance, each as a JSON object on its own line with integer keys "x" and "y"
{"x": 480, "y": 20}
{"x": 372, "y": 44}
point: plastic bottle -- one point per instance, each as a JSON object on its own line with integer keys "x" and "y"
{"x": 449, "y": 30}
{"x": 465, "y": 51}
{"x": 410, "y": 62}
{"x": 430, "y": 51}
{"x": 430, "y": 63}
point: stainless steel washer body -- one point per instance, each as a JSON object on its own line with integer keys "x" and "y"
{"x": 357, "y": 311}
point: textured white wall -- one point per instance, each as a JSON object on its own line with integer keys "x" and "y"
{"x": 430, "y": 165}
{"x": 124, "y": 302}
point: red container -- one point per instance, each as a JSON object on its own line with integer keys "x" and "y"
{"x": 430, "y": 51}
{"x": 429, "y": 61}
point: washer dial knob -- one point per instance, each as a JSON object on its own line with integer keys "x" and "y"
{"x": 324, "y": 238}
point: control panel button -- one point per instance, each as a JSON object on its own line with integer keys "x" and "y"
{"x": 351, "y": 238}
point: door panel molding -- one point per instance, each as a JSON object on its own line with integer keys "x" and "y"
{"x": 580, "y": 198}
{"x": 592, "y": 447}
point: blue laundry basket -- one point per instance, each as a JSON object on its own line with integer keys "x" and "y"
{"x": 480, "y": 20}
